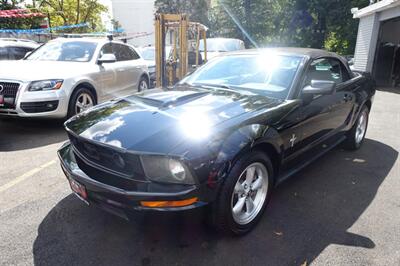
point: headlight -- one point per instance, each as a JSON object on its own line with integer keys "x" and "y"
{"x": 164, "y": 169}
{"x": 45, "y": 85}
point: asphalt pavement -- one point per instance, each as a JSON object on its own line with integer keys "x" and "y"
{"x": 342, "y": 210}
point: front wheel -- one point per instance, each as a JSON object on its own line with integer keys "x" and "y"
{"x": 143, "y": 84}
{"x": 356, "y": 135}
{"x": 244, "y": 194}
{"x": 81, "y": 100}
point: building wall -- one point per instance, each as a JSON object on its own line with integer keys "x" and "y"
{"x": 136, "y": 16}
{"x": 367, "y": 37}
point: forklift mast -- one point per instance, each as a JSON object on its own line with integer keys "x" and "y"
{"x": 172, "y": 68}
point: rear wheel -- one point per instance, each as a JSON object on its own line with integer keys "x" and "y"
{"x": 244, "y": 195}
{"x": 143, "y": 84}
{"x": 81, "y": 100}
{"x": 356, "y": 135}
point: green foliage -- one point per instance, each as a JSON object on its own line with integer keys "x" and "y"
{"x": 16, "y": 23}
{"x": 9, "y": 4}
{"x": 304, "y": 23}
{"x": 197, "y": 10}
{"x": 69, "y": 12}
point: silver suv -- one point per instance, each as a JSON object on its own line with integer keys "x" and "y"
{"x": 66, "y": 76}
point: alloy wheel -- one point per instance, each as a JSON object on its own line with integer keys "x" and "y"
{"x": 361, "y": 126}
{"x": 83, "y": 102}
{"x": 143, "y": 85}
{"x": 250, "y": 193}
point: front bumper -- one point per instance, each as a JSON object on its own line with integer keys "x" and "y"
{"x": 46, "y": 104}
{"x": 123, "y": 202}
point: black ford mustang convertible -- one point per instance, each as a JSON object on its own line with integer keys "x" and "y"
{"x": 224, "y": 137}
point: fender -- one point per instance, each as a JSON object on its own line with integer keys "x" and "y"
{"x": 243, "y": 140}
{"x": 79, "y": 82}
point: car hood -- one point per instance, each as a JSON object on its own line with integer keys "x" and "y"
{"x": 30, "y": 70}
{"x": 158, "y": 120}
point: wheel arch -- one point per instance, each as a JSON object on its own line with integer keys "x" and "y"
{"x": 265, "y": 139}
{"x": 368, "y": 103}
{"x": 89, "y": 86}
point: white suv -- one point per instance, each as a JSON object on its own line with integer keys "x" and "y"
{"x": 66, "y": 76}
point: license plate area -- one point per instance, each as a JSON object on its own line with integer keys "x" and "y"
{"x": 79, "y": 190}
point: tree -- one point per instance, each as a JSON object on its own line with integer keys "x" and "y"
{"x": 9, "y": 4}
{"x": 305, "y": 23}
{"x": 197, "y": 10}
{"x": 69, "y": 12}
{"x": 254, "y": 21}
{"x": 22, "y": 18}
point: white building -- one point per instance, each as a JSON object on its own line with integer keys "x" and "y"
{"x": 378, "y": 41}
{"x": 136, "y": 18}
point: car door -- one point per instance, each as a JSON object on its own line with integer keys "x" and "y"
{"x": 107, "y": 75}
{"x": 128, "y": 68}
{"x": 324, "y": 115}
{"x": 319, "y": 117}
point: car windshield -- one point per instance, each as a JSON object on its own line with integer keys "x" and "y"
{"x": 148, "y": 53}
{"x": 74, "y": 51}
{"x": 265, "y": 74}
{"x": 220, "y": 45}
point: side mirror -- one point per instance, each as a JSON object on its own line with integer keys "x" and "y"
{"x": 107, "y": 58}
{"x": 322, "y": 87}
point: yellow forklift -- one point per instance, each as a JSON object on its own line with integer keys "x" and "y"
{"x": 184, "y": 37}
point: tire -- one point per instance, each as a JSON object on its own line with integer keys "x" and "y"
{"x": 143, "y": 84}
{"x": 355, "y": 136}
{"x": 222, "y": 215}
{"x": 88, "y": 97}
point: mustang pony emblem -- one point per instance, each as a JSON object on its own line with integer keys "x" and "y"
{"x": 292, "y": 140}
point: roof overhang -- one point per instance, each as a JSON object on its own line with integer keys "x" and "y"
{"x": 377, "y": 7}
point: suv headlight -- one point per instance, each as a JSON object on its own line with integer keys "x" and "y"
{"x": 45, "y": 85}
{"x": 165, "y": 169}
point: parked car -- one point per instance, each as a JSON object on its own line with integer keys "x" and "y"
{"x": 16, "y": 49}
{"x": 216, "y": 46}
{"x": 67, "y": 76}
{"x": 223, "y": 137}
{"x": 148, "y": 53}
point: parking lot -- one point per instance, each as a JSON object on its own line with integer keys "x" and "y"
{"x": 342, "y": 210}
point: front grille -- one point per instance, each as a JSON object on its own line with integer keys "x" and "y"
{"x": 101, "y": 162}
{"x": 9, "y": 91}
{"x": 105, "y": 177}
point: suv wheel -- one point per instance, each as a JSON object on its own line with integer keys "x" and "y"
{"x": 143, "y": 84}
{"x": 356, "y": 135}
{"x": 244, "y": 194}
{"x": 81, "y": 100}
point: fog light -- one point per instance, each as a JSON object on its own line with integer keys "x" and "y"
{"x": 165, "y": 204}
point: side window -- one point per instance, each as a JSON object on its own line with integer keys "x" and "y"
{"x": 345, "y": 73}
{"x": 133, "y": 53}
{"x": 18, "y": 52}
{"x": 122, "y": 52}
{"x": 107, "y": 49}
{"x": 326, "y": 69}
{"x": 4, "y": 53}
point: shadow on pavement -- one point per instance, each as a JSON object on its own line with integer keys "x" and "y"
{"x": 307, "y": 213}
{"x": 21, "y": 134}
